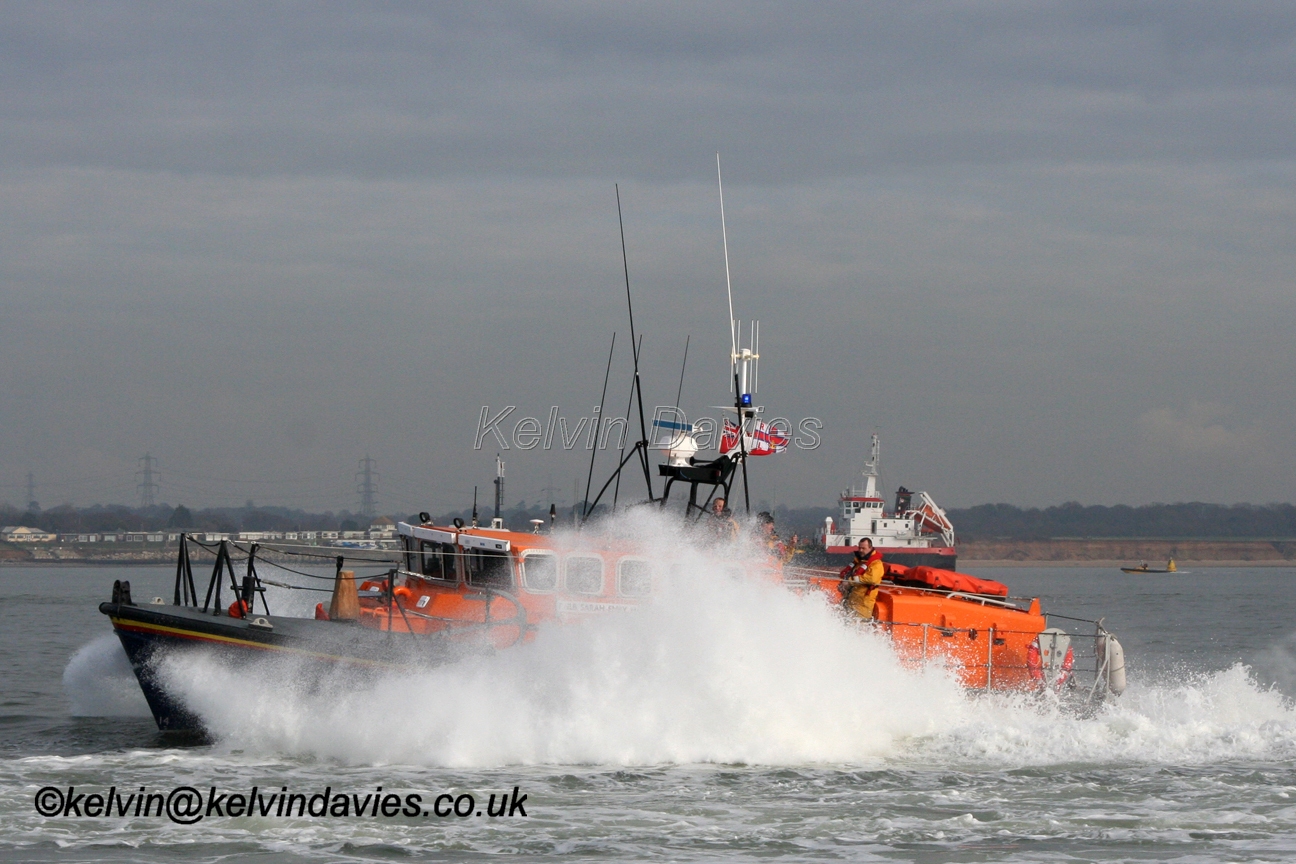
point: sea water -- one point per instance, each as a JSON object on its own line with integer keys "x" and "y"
{"x": 729, "y": 719}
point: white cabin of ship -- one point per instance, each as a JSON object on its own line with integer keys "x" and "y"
{"x": 863, "y": 514}
{"x": 866, "y": 516}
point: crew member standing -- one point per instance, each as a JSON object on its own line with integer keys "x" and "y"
{"x": 861, "y": 580}
{"x": 774, "y": 544}
{"x": 723, "y": 524}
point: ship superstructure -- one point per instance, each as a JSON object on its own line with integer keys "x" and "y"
{"x": 915, "y": 533}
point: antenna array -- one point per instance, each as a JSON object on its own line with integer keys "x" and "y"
{"x": 743, "y": 362}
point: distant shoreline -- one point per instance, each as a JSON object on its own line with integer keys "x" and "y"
{"x": 1059, "y": 552}
{"x": 1127, "y": 552}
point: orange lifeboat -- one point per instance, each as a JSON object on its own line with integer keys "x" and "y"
{"x": 498, "y": 586}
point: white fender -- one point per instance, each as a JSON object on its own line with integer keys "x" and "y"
{"x": 1110, "y": 650}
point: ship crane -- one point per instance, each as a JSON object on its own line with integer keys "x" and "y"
{"x": 931, "y": 519}
{"x": 906, "y": 534}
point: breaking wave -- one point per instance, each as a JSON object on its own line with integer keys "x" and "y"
{"x": 724, "y": 670}
{"x": 99, "y": 682}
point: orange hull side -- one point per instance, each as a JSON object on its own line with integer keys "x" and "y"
{"x": 986, "y": 643}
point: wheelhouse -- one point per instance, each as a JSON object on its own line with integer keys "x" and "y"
{"x": 508, "y": 582}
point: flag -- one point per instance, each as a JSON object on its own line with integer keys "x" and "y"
{"x": 764, "y": 440}
{"x": 768, "y": 439}
{"x": 729, "y": 437}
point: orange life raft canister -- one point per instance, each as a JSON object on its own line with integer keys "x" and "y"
{"x": 947, "y": 580}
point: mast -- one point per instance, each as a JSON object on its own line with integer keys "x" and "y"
{"x": 499, "y": 487}
{"x": 870, "y": 470}
{"x": 742, "y": 362}
{"x": 683, "y": 366}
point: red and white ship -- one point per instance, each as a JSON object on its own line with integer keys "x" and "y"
{"x": 916, "y": 533}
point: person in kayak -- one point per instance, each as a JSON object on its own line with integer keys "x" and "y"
{"x": 861, "y": 579}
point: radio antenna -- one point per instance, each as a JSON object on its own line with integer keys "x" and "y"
{"x": 598, "y": 421}
{"x": 724, "y": 235}
{"x": 742, "y": 399}
{"x": 616, "y": 490}
{"x": 683, "y": 366}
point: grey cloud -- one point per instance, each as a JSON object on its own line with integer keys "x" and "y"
{"x": 260, "y": 241}
{"x": 575, "y": 90}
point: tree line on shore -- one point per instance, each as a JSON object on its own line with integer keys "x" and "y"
{"x": 1185, "y": 520}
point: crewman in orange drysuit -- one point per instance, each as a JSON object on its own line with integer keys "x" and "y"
{"x": 860, "y": 581}
{"x": 774, "y": 544}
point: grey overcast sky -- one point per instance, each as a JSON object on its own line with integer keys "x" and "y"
{"x": 1045, "y": 250}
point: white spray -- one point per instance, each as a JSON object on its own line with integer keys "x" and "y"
{"x": 719, "y": 668}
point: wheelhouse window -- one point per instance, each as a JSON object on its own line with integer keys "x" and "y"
{"x": 634, "y": 577}
{"x": 439, "y": 560}
{"x": 488, "y": 568}
{"x": 585, "y": 574}
{"x": 412, "y": 563}
{"x": 540, "y": 571}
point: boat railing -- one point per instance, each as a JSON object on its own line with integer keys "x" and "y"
{"x": 253, "y": 585}
{"x": 1089, "y": 667}
{"x": 801, "y": 576}
{"x": 983, "y": 599}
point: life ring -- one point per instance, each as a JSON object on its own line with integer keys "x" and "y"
{"x": 1067, "y": 662}
{"x": 238, "y": 609}
{"x": 404, "y": 592}
{"x": 1033, "y": 664}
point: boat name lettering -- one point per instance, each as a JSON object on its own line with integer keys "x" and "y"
{"x": 592, "y": 606}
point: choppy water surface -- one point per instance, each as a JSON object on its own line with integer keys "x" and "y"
{"x": 732, "y": 721}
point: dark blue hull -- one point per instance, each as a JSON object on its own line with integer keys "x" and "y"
{"x": 149, "y": 632}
